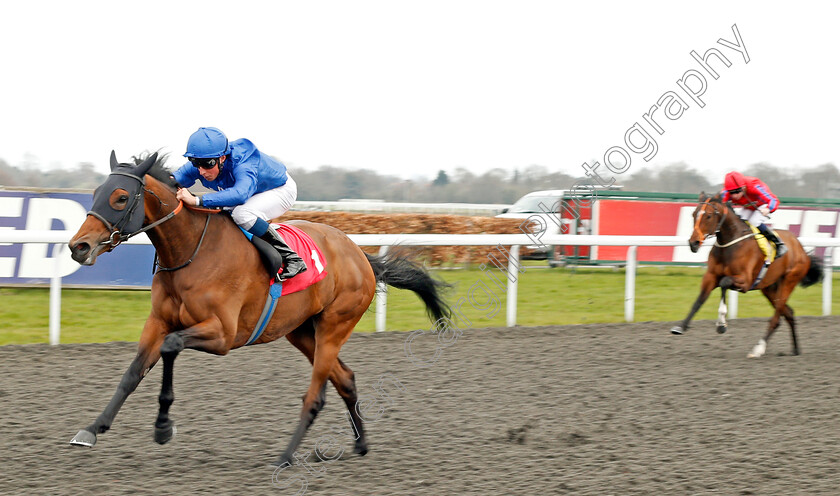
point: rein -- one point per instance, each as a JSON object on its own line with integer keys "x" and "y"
{"x": 157, "y": 267}
{"x": 117, "y": 236}
{"x": 159, "y": 221}
{"x": 750, "y": 235}
{"x": 160, "y": 268}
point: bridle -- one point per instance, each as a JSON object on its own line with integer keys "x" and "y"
{"x": 703, "y": 211}
{"x": 117, "y": 235}
{"x": 722, "y": 215}
{"x": 116, "y": 228}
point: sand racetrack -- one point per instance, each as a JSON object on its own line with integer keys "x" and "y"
{"x": 589, "y": 409}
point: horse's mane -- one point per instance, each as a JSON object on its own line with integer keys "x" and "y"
{"x": 158, "y": 170}
{"x": 712, "y": 198}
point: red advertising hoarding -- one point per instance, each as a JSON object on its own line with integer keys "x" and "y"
{"x": 657, "y": 218}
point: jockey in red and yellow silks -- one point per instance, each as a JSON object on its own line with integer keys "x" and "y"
{"x": 758, "y": 203}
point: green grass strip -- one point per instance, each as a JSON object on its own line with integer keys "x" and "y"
{"x": 556, "y": 296}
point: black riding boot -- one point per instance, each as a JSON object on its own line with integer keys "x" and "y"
{"x": 768, "y": 233}
{"x": 292, "y": 263}
{"x": 271, "y": 257}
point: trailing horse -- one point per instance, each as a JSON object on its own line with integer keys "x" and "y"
{"x": 211, "y": 293}
{"x": 736, "y": 261}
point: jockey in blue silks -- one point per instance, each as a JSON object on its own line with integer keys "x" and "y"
{"x": 253, "y": 185}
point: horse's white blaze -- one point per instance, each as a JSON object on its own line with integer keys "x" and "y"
{"x": 758, "y": 350}
{"x": 722, "y": 314}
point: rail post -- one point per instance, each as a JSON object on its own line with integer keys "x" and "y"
{"x": 512, "y": 285}
{"x": 381, "y": 298}
{"x": 732, "y": 307}
{"x": 630, "y": 285}
{"x": 55, "y": 298}
{"x": 828, "y": 272}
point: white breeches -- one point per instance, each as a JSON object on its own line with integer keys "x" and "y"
{"x": 754, "y": 217}
{"x": 266, "y": 205}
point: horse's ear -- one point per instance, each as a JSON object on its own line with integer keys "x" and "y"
{"x": 144, "y": 166}
{"x": 114, "y": 162}
{"x": 702, "y": 196}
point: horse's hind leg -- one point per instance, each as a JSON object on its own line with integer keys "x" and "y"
{"x": 760, "y": 348}
{"x": 788, "y": 315}
{"x": 778, "y": 295}
{"x": 303, "y": 338}
{"x": 345, "y": 384}
{"x": 332, "y": 328}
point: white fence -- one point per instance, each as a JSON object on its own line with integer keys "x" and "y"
{"x": 512, "y": 240}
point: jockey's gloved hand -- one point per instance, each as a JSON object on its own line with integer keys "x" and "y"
{"x": 764, "y": 209}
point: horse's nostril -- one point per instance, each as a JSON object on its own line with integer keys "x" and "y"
{"x": 82, "y": 248}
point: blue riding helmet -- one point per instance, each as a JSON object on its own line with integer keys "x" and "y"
{"x": 207, "y": 142}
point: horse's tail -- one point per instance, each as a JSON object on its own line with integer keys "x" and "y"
{"x": 815, "y": 272}
{"x": 402, "y": 273}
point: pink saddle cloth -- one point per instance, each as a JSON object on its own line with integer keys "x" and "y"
{"x": 303, "y": 245}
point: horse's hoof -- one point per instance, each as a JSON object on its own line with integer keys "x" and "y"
{"x": 677, "y": 330}
{"x": 283, "y": 460}
{"x": 165, "y": 434}
{"x": 361, "y": 450}
{"x": 721, "y": 329}
{"x": 84, "y": 438}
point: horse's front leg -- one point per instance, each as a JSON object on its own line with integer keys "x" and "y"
{"x": 721, "y": 322}
{"x": 147, "y": 355}
{"x": 206, "y": 336}
{"x": 726, "y": 283}
{"x": 709, "y": 283}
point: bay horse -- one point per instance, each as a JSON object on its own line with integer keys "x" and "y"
{"x": 211, "y": 289}
{"x": 735, "y": 262}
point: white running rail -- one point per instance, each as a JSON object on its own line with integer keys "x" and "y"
{"x": 514, "y": 241}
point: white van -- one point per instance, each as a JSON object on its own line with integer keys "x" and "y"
{"x": 542, "y": 205}
{"x": 558, "y": 211}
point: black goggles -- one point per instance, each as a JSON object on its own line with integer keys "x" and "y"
{"x": 204, "y": 163}
{"x": 735, "y": 191}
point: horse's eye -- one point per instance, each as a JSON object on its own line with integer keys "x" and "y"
{"x": 119, "y": 199}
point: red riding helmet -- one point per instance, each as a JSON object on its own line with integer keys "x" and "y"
{"x": 734, "y": 180}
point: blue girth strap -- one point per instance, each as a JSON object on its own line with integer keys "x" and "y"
{"x": 274, "y": 292}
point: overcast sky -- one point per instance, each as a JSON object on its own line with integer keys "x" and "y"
{"x": 408, "y": 88}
